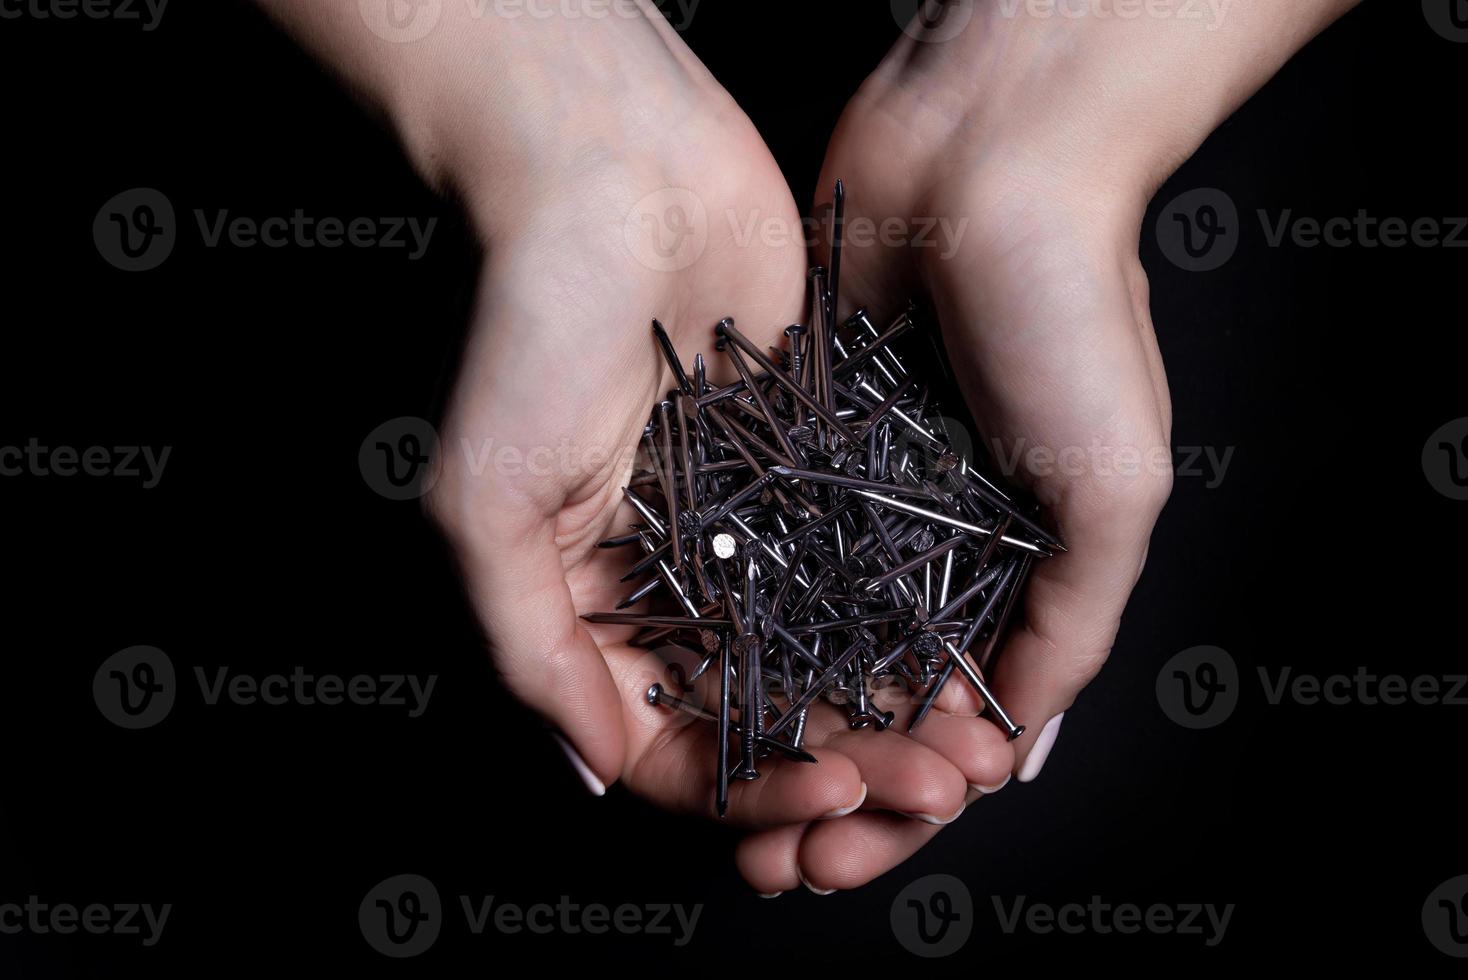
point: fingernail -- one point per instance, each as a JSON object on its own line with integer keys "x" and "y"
{"x": 1036, "y": 760}
{"x": 990, "y": 790}
{"x": 818, "y": 891}
{"x": 770, "y": 894}
{"x": 595, "y": 785}
{"x": 847, "y": 810}
{"x": 928, "y": 818}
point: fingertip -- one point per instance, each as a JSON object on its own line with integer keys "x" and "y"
{"x": 846, "y": 854}
{"x": 767, "y": 859}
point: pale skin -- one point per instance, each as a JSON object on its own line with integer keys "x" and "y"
{"x": 1045, "y": 136}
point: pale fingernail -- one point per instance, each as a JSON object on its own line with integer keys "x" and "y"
{"x": 1036, "y": 760}
{"x": 770, "y": 894}
{"x": 818, "y": 891}
{"x": 928, "y": 818}
{"x": 848, "y": 810}
{"x": 597, "y": 787}
{"x": 990, "y": 790}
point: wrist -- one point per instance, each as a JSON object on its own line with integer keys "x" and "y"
{"x": 507, "y": 112}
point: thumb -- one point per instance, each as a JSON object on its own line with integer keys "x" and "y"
{"x": 1073, "y": 608}
{"x": 517, "y": 584}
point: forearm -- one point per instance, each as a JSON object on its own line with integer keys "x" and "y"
{"x": 1127, "y": 86}
{"x": 492, "y": 100}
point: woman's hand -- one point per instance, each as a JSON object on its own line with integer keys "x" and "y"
{"x": 999, "y": 162}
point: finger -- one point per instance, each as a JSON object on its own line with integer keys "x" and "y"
{"x": 974, "y": 746}
{"x": 672, "y": 751}
{"x": 850, "y": 852}
{"x": 673, "y": 754}
{"x": 953, "y": 728}
{"x": 901, "y": 774}
{"x": 768, "y": 860}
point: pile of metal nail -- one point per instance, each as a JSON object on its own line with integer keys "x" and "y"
{"x": 811, "y": 531}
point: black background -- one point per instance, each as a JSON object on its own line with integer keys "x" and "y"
{"x": 1324, "y": 548}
